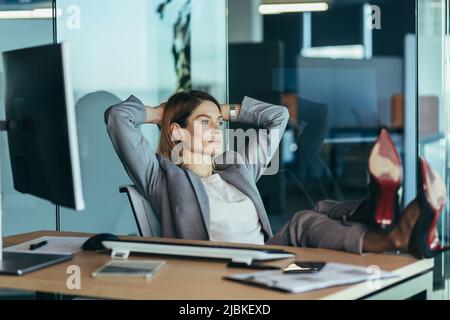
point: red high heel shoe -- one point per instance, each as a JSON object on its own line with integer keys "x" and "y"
{"x": 386, "y": 174}
{"x": 432, "y": 196}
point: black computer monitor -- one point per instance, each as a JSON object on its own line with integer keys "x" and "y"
{"x": 41, "y": 125}
{"x": 42, "y": 138}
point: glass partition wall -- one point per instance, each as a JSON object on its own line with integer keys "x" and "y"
{"x": 21, "y": 213}
{"x": 148, "y": 48}
{"x": 344, "y": 74}
{"x": 118, "y": 48}
{"x": 434, "y": 110}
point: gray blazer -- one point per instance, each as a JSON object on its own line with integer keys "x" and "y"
{"x": 177, "y": 195}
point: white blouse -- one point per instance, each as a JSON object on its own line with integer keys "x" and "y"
{"x": 233, "y": 216}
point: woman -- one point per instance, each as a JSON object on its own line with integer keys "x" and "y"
{"x": 198, "y": 192}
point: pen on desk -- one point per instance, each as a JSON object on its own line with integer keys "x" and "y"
{"x": 37, "y": 245}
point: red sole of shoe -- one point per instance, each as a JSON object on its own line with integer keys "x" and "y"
{"x": 385, "y": 167}
{"x": 436, "y": 196}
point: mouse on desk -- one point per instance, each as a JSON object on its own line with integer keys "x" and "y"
{"x": 94, "y": 243}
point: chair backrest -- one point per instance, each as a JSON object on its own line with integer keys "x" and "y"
{"x": 147, "y": 222}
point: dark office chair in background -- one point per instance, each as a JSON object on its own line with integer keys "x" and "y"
{"x": 147, "y": 222}
{"x": 310, "y": 166}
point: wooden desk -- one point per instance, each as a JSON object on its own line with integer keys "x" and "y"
{"x": 188, "y": 279}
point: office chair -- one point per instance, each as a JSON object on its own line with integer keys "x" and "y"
{"x": 147, "y": 222}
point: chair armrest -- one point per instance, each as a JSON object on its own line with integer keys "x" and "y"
{"x": 124, "y": 189}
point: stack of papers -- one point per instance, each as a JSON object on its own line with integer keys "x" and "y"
{"x": 55, "y": 245}
{"x": 333, "y": 274}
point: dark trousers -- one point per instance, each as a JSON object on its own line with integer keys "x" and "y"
{"x": 324, "y": 227}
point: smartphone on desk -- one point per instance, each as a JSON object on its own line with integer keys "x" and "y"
{"x": 142, "y": 268}
{"x": 304, "y": 267}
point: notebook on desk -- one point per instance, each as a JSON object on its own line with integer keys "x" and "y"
{"x": 333, "y": 274}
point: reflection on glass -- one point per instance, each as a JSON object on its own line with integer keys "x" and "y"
{"x": 433, "y": 109}
{"x": 337, "y": 105}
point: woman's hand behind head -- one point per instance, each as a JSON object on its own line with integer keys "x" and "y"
{"x": 155, "y": 114}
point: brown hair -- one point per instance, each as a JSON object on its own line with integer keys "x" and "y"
{"x": 178, "y": 109}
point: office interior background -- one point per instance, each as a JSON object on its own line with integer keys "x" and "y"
{"x": 341, "y": 80}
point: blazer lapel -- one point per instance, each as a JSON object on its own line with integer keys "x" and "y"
{"x": 202, "y": 198}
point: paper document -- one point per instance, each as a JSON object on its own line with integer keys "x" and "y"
{"x": 333, "y": 274}
{"x": 55, "y": 245}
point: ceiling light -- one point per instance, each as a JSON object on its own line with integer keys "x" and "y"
{"x": 335, "y": 52}
{"x": 46, "y": 13}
